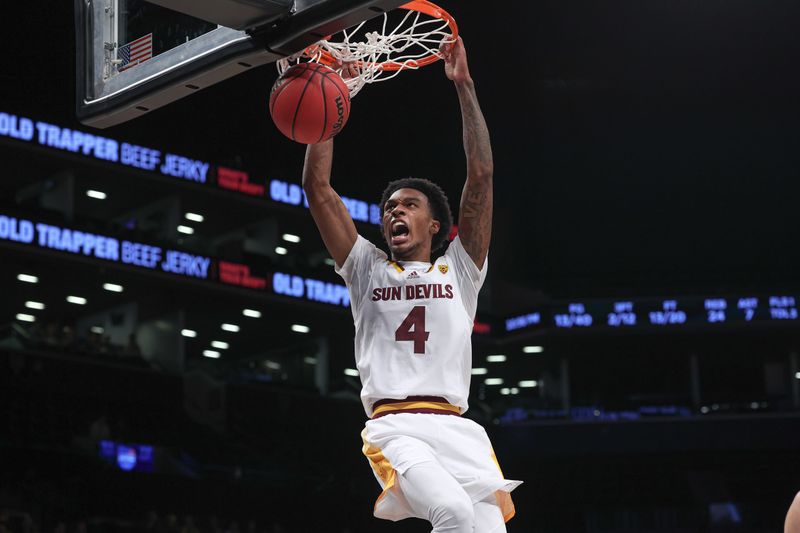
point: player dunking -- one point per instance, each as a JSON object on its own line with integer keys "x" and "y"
{"x": 413, "y": 323}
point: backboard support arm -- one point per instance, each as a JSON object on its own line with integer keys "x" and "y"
{"x": 107, "y": 96}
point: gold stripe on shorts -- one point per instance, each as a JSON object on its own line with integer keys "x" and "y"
{"x": 380, "y": 464}
{"x": 411, "y": 406}
{"x": 504, "y": 501}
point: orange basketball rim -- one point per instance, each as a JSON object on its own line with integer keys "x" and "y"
{"x": 420, "y": 6}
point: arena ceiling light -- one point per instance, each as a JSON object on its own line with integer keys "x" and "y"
{"x": 189, "y": 333}
{"x": 514, "y": 390}
{"x": 797, "y": 375}
{"x": 97, "y": 329}
{"x": 113, "y": 287}
{"x": 39, "y": 306}
{"x": 330, "y": 262}
{"x": 23, "y": 317}
{"x": 280, "y": 250}
{"x": 220, "y": 345}
{"x": 480, "y": 371}
{"x": 194, "y": 217}
{"x": 97, "y": 195}
{"x": 310, "y": 360}
{"x": 532, "y": 349}
{"x": 300, "y": 328}
{"x": 505, "y": 391}
{"x": 288, "y": 237}
{"x": 351, "y": 372}
{"x": 493, "y": 381}
{"x": 272, "y": 365}
{"x": 186, "y": 230}
{"x": 233, "y": 328}
{"x": 527, "y": 384}
{"x": 27, "y": 278}
{"x": 213, "y": 354}
{"x": 252, "y": 313}
{"x": 77, "y": 300}
{"x": 496, "y": 358}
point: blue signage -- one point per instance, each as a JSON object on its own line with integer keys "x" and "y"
{"x": 77, "y": 142}
{"x": 292, "y": 194}
{"x": 782, "y": 308}
{"x": 102, "y": 247}
{"x": 668, "y": 315}
{"x": 622, "y": 315}
{"x": 523, "y": 321}
{"x": 141, "y": 255}
{"x": 576, "y": 316}
{"x": 139, "y": 157}
{"x": 128, "y": 457}
{"x": 155, "y": 258}
{"x": 310, "y": 289}
{"x": 748, "y": 306}
{"x": 16, "y": 127}
{"x": 715, "y": 309}
{"x": 15, "y": 230}
{"x": 287, "y": 193}
{"x": 151, "y": 160}
{"x": 77, "y": 242}
{"x": 183, "y": 167}
{"x": 102, "y": 148}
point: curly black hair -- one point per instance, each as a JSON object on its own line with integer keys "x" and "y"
{"x": 437, "y": 199}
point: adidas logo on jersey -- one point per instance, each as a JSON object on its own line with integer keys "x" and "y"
{"x": 412, "y": 275}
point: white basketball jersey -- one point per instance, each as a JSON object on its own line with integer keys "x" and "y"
{"x": 413, "y": 323}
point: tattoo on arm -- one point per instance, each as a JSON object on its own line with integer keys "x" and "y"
{"x": 475, "y": 224}
{"x": 476, "y": 135}
{"x": 475, "y": 220}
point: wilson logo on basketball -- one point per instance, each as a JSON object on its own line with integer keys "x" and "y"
{"x": 309, "y": 103}
{"x": 339, "y": 116}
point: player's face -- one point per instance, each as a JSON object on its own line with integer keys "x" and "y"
{"x": 408, "y": 225}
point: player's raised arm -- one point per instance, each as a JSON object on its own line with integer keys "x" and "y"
{"x": 330, "y": 214}
{"x": 475, "y": 213}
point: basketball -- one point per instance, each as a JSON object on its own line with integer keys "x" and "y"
{"x": 309, "y": 103}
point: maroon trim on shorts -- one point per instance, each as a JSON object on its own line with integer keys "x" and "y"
{"x": 426, "y": 411}
{"x": 437, "y": 399}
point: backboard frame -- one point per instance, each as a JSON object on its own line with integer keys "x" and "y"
{"x": 106, "y": 98}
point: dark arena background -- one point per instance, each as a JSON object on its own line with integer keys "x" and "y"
{"x": 176, "y": 351}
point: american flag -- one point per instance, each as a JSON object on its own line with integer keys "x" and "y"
{"x": 135, "y": 52}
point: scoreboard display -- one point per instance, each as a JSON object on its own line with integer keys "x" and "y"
{"x": 667, "y": 313}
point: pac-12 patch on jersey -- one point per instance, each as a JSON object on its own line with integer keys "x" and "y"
{"x": 443, "y": 269}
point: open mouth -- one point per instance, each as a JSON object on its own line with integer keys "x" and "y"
{"x": 399, "y": 232}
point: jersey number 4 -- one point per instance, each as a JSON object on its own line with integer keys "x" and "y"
{"x": 413, "y": 329}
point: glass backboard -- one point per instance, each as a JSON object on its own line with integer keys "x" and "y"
{"x": 134, "y": 56}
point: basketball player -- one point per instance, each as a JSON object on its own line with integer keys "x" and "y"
{"x": 413, "y": 322}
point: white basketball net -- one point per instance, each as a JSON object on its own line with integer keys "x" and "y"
{"x": 416, "y": 36}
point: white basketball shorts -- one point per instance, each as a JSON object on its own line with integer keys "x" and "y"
{"x": 396, "y": 442}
